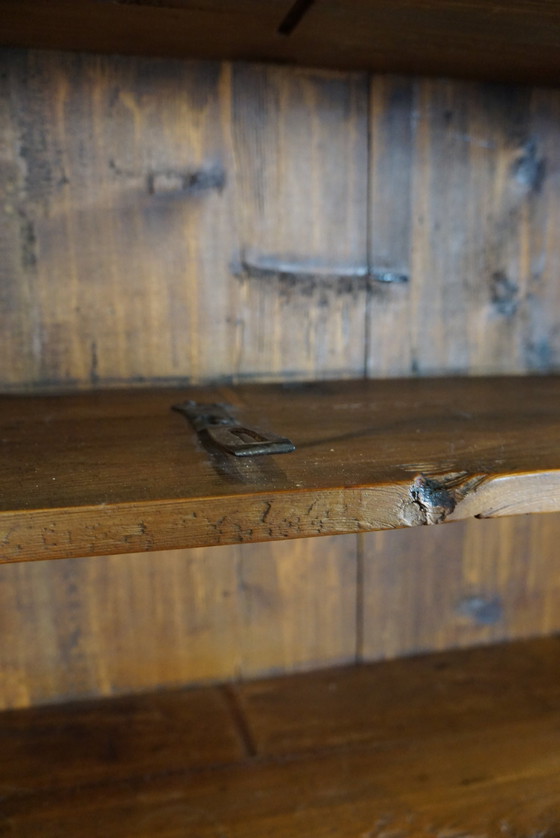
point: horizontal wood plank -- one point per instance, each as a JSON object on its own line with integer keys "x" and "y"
{"x": 473, "y": 690}
{"x": 452, "y": 744}
{"x": 101, "y": 742}
{"x": 120, "y": 471}
{"x": 516, "y": 40}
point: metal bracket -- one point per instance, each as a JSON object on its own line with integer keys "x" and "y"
{"x": 213, "y": 422}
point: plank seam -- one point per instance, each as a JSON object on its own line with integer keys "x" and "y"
{"x": 239, "y": 719}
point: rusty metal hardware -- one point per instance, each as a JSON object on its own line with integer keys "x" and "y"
{"x": 214, "y": 423}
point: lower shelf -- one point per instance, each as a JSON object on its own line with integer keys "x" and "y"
{"x": 453, "y": 744}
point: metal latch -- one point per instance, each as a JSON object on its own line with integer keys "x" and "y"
{"x": 213, "y": 422}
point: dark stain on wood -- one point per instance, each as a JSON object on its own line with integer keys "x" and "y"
{"x": 28, "y": 241}
{"x": 482, "y": 610}
{"x": 181, "y": 183}
{"x": 289, "y": 277}
{"x": 539, "y": 354}
{"x": 504, "y": 294}
{"x": 94, "y": 374}
{"x": 529, "y": 170}
{"x": 433, "y": 499}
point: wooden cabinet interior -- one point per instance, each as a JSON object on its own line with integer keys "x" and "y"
{"x": 173, "y": 223}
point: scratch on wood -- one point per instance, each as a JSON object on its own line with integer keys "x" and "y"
{"x": 307, "y": 277}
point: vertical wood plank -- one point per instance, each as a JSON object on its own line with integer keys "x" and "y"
{"x": 77, "y": 628}
{"x": 538, "y": 171}
{"x": 300, "y": 140}
{"x": 392, "y": 131}
{"x": 461, "y": 585}
{"x": 463, "y": 201}
{"x": 119, "y": 172}
{"x": 299, "y": 604}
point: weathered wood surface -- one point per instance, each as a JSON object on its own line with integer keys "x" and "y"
{"x": 204, "y": 186}
{"x": 119, "y": 471}
{"x": 162, "y": 194}
{"x": 450, "y": 744}
{"x": 96, "y": 742}
{"x": 131, "y": 188}
{"x": 445, "y": 587}
{"x": 301, "y": 151}
{"x": 235, "y": 200}
{"x": 123, "y": 624}
{"x": 516, "y": 40}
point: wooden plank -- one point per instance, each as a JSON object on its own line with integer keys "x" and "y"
{"x": 479, "y": 582}
{"x": 468, "y": 174}
{"x": 297, "y": 605}
{"x": 511, "y": 40}
{"x": 449, "y": 744}
{"x": 430, "y": 696}
{"x": 462, "y": 785}
{"x": 107, "y": 741}
{"x": 109, "y": 182}
{"x": 388, "y": 346}
{"x": 115, "y": 471}
{"x": 80, "y": 628}
{"x": 301, "y": 221}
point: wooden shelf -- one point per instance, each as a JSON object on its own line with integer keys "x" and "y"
{"x": 456, "y": 743}
{"x": 506, "y": 40}
{"x": 119, "y": 471}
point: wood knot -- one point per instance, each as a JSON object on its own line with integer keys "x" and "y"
{"x": 433, "y": 500}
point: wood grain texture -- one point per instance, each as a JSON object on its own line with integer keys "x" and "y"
{"x": 508, "y": 41}
{"x": 118, "y": 470}
{"x": 479, "y": 582}
{"x": 123, "y": 624}
{"x": 132, "y": 188}
{"x": 464, "y": 190}
{"x": 445, "y": 745}
{"x": 125, "y": 175}
{"x": 100, "y": 742}
{"x": 213, "y": 189}
{"x": 121, "y": 173}
{"x": 301, "y": 222}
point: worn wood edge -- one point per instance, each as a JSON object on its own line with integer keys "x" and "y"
{"x": 204, "y": 522}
